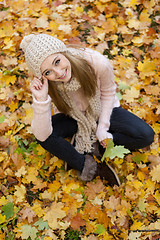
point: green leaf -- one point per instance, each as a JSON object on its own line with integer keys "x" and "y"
{"x": 114, "y": 151}
{"x": 8, "y": 210}
{"x": 108, "y": 150}
{"x": 123, "y": 86}
{"x": 29, "y": 231}
{"x": 2, "y": 118}
{"x": 118, "y": 151}
{"x": 100, "y": 229}
{"x": 138, "y": 158}
{"x": 41, "y": 224}
{"x": 119, "y": 95}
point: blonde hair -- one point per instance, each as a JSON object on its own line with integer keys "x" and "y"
{"x": 84, "y": 73}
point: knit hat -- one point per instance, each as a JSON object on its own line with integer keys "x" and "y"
{"x": 37, "y": 48}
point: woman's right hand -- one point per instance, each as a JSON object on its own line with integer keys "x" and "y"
{"x": 39, "y": 89}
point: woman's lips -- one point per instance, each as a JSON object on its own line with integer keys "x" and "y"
{"x": 64, "y": 75}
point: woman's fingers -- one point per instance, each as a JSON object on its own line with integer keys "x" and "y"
{"x": 36, "y": 84}
{"x": 103, "y": 144}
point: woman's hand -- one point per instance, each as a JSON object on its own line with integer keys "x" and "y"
{"x": 103, "y": 144}
{"x": 39, "y": 89}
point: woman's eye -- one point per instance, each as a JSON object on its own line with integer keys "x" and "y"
{"x": 47, "y": 73}
{"x": 57, "y": 61}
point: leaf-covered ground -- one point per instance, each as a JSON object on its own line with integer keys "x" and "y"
{"x": 38, "y": 198}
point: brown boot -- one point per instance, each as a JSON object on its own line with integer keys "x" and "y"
{"x": 106, "y": 172}
{"x": 93, "y": 169}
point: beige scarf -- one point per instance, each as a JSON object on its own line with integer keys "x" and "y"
{"x": 87, "y": 124}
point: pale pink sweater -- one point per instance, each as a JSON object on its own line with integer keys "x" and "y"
{"x": 41, "y": 124}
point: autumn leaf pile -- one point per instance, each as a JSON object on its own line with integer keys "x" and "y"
{"x": 38, "y": 198}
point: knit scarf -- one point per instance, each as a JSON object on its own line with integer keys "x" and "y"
{"x": 87, "y": 123}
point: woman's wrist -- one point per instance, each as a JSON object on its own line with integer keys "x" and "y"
{"x": 41, "y": 99}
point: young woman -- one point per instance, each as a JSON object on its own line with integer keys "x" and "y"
{"x": 81, "y": 84}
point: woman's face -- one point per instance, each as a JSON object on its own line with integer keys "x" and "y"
{"x": 57, "y": 68}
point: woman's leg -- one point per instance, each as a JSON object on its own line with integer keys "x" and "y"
{"x": 129, "y": 130}
{"x": 63, "y": 127}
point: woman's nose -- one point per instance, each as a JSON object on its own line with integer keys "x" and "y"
{"x": 57, "y": 72}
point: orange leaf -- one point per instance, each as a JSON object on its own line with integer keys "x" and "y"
{"x": 77, "y": 222}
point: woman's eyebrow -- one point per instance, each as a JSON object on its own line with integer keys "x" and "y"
{"x": 52, "y": 64}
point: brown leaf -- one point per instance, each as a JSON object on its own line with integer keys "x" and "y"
{"x": 3, "y": 127}
{"x": 77, "y": 222}
{"x": 93, "y": 189}
{"x": 27, "y": 212}
{"x": 4, "y": 142}
{"x": 17, "y": 158}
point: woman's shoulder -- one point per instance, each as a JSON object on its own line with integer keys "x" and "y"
{"x": 97, "y": 59}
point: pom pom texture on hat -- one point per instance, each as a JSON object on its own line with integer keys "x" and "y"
{"x": 37, "y": 48}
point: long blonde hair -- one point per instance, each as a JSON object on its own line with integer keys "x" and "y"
{"x": 85, "y": 74}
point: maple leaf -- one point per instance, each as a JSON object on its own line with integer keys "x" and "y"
{"x": 28, "y": 231}
{"x": 146, "y": 68}
{"x": 114, "y": 151}
{"x": 93, "y": 189}
{"x": 2, "y": 218}
{"x": 27, "y": 212}
{"x": 41, "y": 224}
{"x": 155, "y": 173}
{"x": 134, "y": 236}
{"x": 21, "y": 172}
{"x": 20, "y": 193}
{"x": 100, "y": 229}
{"x": 42, "y": 22}
{"x": 38, "y": 209}
{"x": 77, "y": 222}
{"x": 8, "y": 210}
{"x": 54, "y": 214}
{"x": 130, "y": 95}
{"x": 4, "y": 141}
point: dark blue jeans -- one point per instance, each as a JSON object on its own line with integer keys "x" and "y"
{"x": 127, "y": 130}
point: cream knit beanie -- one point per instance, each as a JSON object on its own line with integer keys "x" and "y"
{"x": 37, "y": 48}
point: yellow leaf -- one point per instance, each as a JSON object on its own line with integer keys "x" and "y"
{"x": 41, "y": 151}
{"x": 27, "y": 119}
{"x": 144, "y": 17}
{"x": 20, "y": 193}
{"x": 31, "y": 175}
{"x": 54, "y": 186}
{"x": 9, "y": 79}
{"x": 71, "y": 186}
{"x": 3, "y": 201}
{"x": 133, "y": 23}
{"x": 21, "y": 172}
{"x": 141, "y": 176}
{"x": 157, "y": 196}
{"x": 56, "y": 162}
{"x": 13, "y": 106}
{"x": 155, "y": 173}
{"x": 54, "y": 214}
{"x": 2, "y": 218}
{"x": 46, "y": 195}
{"x": 137, "y": 184}
{"x": 42, "y": 22}
{"x": 138, "y": 41}
{"x": 136, "y": 225}
{"x": 147, "y": 68}
{"x": 133, "y": 3}
{"x": 37, "y": 209}
{"x": 66, "y": 28}
{"x": 131, "y": 94}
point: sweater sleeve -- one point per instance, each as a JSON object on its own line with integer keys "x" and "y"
{"x": 107, "y": 86}
{"x": 41, "y": 124}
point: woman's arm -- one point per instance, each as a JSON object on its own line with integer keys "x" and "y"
{"x": 107, "y": 86}
{"x": 41, "y": 123}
